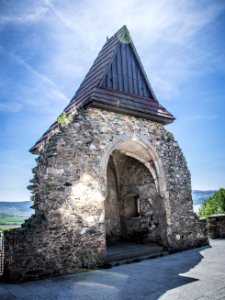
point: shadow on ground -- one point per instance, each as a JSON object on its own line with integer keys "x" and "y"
{"x": 147, "y": 279}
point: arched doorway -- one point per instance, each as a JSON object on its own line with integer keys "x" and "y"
{"x": 136, "y": 207}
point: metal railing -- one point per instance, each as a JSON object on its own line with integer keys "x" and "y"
{"x": 1, "y": 253}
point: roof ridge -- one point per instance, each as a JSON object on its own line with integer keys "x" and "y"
{"x": 123, "y": 35}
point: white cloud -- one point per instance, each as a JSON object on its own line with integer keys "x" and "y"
{"x": 11, "y": 106}
{"x": 29, "y": 16}
{"x": 34, "y": 72}
{"x": 167, "y": 35}
{"x": 25, "y": 94}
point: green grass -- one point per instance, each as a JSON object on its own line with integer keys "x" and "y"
{"x": 7, "y": 227}
{"x": 11, "y": 220}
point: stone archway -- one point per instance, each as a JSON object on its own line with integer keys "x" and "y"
{"x": 136, "y": 204}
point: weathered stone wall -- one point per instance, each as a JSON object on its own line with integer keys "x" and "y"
{"x": 70, "y": 187}
{"x": 216, "y": 226}
{"x": 112, "y": 206}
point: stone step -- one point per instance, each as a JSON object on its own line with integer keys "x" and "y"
{"x": 128, "y": 253}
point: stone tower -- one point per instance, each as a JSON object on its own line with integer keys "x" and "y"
{"x": 107, "y": 171}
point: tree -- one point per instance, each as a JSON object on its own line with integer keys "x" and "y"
{"x": 215, "y": 204}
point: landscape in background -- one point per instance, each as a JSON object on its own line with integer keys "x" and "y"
{"x": 13, "y": 214}
{"x": 199, "y": 197}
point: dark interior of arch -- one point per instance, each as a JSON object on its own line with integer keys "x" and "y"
{"x": 134, "y": 210}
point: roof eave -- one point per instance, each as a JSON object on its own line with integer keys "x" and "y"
{"x": 160, "y": 118}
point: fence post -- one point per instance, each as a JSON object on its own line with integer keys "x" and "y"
{"x": 1, "y": 253}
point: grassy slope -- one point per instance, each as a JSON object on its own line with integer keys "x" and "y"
{"x": 13, "y": 214}
{"x": 7, "y": 227}
{"x": 9, "y": 222}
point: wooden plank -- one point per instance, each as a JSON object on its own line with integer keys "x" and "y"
{"x": 97, "y": 74}
{"x": 134, "y": 77}
{"x": 134, "y": 63}
{"x": 108, "y": 77}
{"x": 114, "y": 73}
{"x": 85, "y": 85}
{"x": 124, "y": 68}
{"x": 100, "y": 60}
{"x": 100, "y": 68}
{"x": 104, "y": 81}
{"x": 86, "y": 88}
{"x": 119, "y": 68}
{"x": 109, "y": 44}
{"x": 138, "y": 82}
{"x": 144, "y": 88}
{"x": 132, "y": 104}
{"x": 81, "y": 96}
{"x": 106, "y": 92}
{"x": 126, "y": 77}
{"x": 129, "y": 70}
{"x": 110, "y": 97}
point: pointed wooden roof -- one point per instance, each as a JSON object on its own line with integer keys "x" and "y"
{"x": 116, "y": 82}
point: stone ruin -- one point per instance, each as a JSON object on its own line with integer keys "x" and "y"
{"x": 107, "y": 171}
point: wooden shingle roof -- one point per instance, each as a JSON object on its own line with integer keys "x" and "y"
{"x": 116, "y": 82}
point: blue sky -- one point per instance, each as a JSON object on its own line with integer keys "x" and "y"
{"x": 47, "y": 47}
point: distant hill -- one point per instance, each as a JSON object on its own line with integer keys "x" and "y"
{"x": 16, "y": 208}
{"x": 22, "y": 209}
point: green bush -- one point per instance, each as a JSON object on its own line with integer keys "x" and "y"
{"x": 64, "y": 120}
{"x": 215, "y": 204}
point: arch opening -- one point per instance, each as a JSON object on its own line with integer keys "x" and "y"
{"x": 135, "y": 209}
